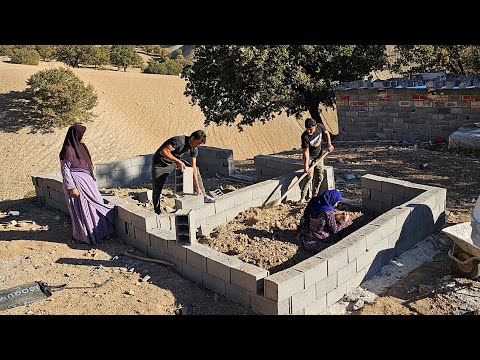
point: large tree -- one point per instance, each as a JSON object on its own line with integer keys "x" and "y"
{"x": 257, "y": 82}
{"x": 451, "y": 59}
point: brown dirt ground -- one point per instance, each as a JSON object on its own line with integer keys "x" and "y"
{"x": 38, "y": 247}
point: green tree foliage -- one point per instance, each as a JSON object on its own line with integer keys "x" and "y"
{"x": 6, "y": 50}
{"x": 74, "y": 55}
{"x": 259, "y": 81}
{"x": 61, "y": 97}
{"x": 148, "y": 49}
{"x": 124, "y": 56}
{"x": 163, "y": 54}
{"x": 46, "y": 52}
{"x": 25, "y": 55}
{"x": 95, "y": 55}
{"x": 169, "y": 67}
{"x": 451, "y": 59}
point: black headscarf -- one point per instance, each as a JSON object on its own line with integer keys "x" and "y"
{"x": 80, "y": 157}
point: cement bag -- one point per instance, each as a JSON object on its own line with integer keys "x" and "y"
{"x": 475, "y": 220}
{"x": 24, "y": 294}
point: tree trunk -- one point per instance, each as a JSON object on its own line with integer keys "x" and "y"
{"x": 314, "y": 112}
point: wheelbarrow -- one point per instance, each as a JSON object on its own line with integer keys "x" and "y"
{"x": 466, "y": 249}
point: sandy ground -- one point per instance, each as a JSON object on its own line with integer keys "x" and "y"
{"x": 136, "y": 113}
{"x": 35, "y": 245}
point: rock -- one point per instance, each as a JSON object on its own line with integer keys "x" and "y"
{"x": 145, "y": 278}
{"x": 13, "y": 213}
{"x": 426, "y": 289}
{"x": 358, "y": 304}
{"x": 129, "y": 292}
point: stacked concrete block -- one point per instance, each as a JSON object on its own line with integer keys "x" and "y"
{"x": 49, "y": 191}
{"x": 185, "y": 226}
{"x": 268, "y": 166}
{"x": 184, "y": 181}
{"x": 317, "y": 283}
{"x": 123, "y": 173}
{"x": 407, "y": 114}
{"x": 213, "y": 160}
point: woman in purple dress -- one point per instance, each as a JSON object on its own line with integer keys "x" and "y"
{"x": 321, "y": 222}
{"x": 92, "y": 220}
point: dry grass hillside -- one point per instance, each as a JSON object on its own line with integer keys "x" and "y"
{"x": 136, "y": 113}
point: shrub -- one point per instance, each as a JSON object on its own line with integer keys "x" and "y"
{"x": 25, "y": 55}
{"x": 61, "y": 97}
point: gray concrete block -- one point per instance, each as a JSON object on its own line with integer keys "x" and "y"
{"x": 393, "y": 187}
{"x": 303, "y": 298}
{"x": 220, "y": 265}
{"x": 326, "y": 285}
{"x": 383, "y": 197}
{"x": 283, "y": 284}
{"x": 141, "y": 236}
{"x": 372, "y": 205}
{"x": 233, "y": 212}
{"x": 336, "y": 294}
{"x": 336, "y": 256}
{"x": 242, "y": 196}
{"x": 249, "y": 277}
{"x": 177, "y": 250}
{"x": 347, "y": 272}
{"x": 197, "y": 255}
{"x": 372, "y": 182}
{"x": 356, "y": 280}
{"x": 387, "y": 223}
{"x": 317, "y": 306}
{"x": 314, "y": 269}
{"x": 122, "y": 164}
{"x": 224, "y": 203}
{"x": 143, "y": 219}
{"x": 237, "y": 294}
{"x": 178, "y": 262}
{"x": 163, "y": 222}
{"x": 217, "y": 219}
{"x": 104, "y": 168}
{"x": 189, "y": 202}
{"x": 185, "y": 229}
{"x": 213, "y": 283}
{"x": 192, "y": 273}
{"x": 265, "y": 306}
{"x": 140, "y": 160}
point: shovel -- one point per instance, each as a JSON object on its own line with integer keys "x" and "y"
{"x": 278, "y": 201}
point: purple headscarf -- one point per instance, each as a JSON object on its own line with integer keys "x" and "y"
{"x": 80, "y": 156}
{"x": 322, "y": 203}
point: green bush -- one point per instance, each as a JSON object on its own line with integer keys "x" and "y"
{"x": 25, "y": 55}
{"x": 169, "y": 67}
{"x": 61, "y": 97}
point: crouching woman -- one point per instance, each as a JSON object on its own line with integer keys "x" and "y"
{"x": 321, "y": 222}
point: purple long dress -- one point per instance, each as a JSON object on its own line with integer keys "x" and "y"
{"x": 92, "y": 220}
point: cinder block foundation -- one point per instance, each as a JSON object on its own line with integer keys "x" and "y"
{"x": 405, "y": 214}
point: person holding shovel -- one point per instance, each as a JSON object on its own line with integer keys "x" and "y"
{"x": 311, "y": 140}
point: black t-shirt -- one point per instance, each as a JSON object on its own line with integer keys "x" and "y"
{"x": 180, "y": 144}
{"x": 313, "y": 142}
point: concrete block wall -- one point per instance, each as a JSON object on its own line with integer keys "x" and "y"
{"x": 228, "y": 206}
{"x": 49, "y": 190}
{"x": 318, "y": 282}
{"x": 123, "y": 173}
{"x": 213, "y": 160}
{"x": 404, "y": 114}
{"x": 309, "y": 287}
{"x": 268, "y": 166}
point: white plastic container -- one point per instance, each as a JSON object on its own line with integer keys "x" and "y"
{"x": 475, "y": 220}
